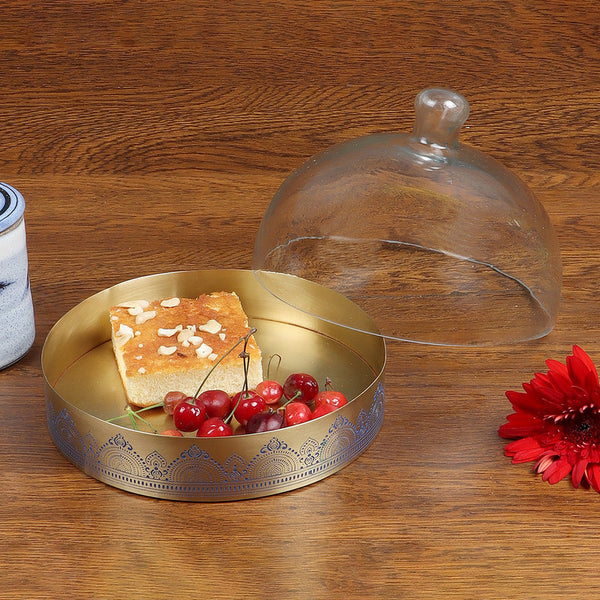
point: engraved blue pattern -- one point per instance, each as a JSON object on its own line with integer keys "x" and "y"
{"x": 194, "y": 474}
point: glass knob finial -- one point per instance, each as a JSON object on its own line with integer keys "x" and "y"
{"x": 439, "y": 115}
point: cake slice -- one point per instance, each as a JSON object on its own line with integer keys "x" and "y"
{"x": 171, "y": 344}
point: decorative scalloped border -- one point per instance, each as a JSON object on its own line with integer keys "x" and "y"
{"x": 194, "y": 474}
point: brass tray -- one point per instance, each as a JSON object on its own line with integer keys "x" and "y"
{"x": 83, "y": 390}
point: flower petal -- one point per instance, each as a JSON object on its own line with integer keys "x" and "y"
{"x": 527, "y": 401}
{"x": 581, "y": 374}
{"x": 558, "y": 370}
{"x": 592, "y": 473}
{"x": 557, "y": 471}
{"x": 562, "y": 385}
{"x": 552, "y": 397}
{"x": 545, "y": 461}
{"x": 547, "y": 397}
{"x": 524, "y": 450}
{"x": 521, "y": 425}
{"x": 589, "y": 363}
{"x": 578, "y": 471}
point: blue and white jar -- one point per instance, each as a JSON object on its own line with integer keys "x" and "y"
{"x": 17, "y": 327}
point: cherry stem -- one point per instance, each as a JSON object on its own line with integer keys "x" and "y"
{"x": 270, "y": 361}
{"x": 246, "y": 361}
{"x": 135, "y": 414}
{"x": 230, "y": 415}
{"x": 328, "y": 384}
{"x": 296, "y": 395}
{"x": 132, "y": 418}
{"x": 129, "y": 411}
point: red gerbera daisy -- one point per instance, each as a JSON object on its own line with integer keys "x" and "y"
{"x": 557, "y": 422}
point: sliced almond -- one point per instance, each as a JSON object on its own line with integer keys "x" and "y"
{"x": 184, "y": 335}
{"x": 211, "y": 326}
{"x": 167, "y": 350}
{"x": 123, "y": 334}
{"x": 145, "y": 316}
{"x": 170, "y": 302}
{"x": 134, "y": 304}
{"x": 163, "y": 332}
{"x": 203, "y": 351}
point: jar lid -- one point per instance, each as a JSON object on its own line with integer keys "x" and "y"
{"x": 436, "y": 241}
{"x": 12, "y": 206}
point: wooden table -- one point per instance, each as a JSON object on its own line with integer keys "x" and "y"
{"x": 150, "y": 136}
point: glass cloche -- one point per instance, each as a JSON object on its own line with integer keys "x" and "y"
{"x": 436, "y": 241}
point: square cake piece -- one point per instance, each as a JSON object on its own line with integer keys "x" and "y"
{"x": 171, "y": 344}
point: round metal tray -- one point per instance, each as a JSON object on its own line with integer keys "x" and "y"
{"x": 83, "y": 390}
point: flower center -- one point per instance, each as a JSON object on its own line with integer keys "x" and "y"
{"x": 582, "y": 428}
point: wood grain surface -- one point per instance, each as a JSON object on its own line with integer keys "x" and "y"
{"x": 151, "y": 136}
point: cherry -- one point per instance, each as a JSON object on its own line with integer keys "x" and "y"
{"x": 217, "y": 403}
{"x": 335, "y": 399}
{"x": 188, "y": 416}
{"x": 247, "y": 405}
{"x": 322, "y": 410}
{"x": 265, "y": 420}
{"x": 172, "y": 432}
{"x": 172, "y": 399}
{"x": 214, "y": 427}
{"x": 300, "y": 386}
{"x": 271, "y": 391}
{"x": 296, "y": 413}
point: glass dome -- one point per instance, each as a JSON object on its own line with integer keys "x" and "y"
{"x": 437, "y": 242}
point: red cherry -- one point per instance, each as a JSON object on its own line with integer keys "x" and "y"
{"x": 217, "y": 403}
{"x": 322, "y": 410}
{"x": 214, "y": 427}
{"x": 336, "y": 399}
{"x": 301, "y": 387}
{"x": 172, "y": 399}
{"x": 172, "y": 432}
{"x": 265, "y": 420}
{"x": 296, "y": 413}
{"x": 188, "y": 416}
{"x": 271, "y": 391}
{"x": 247, "y": 405}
